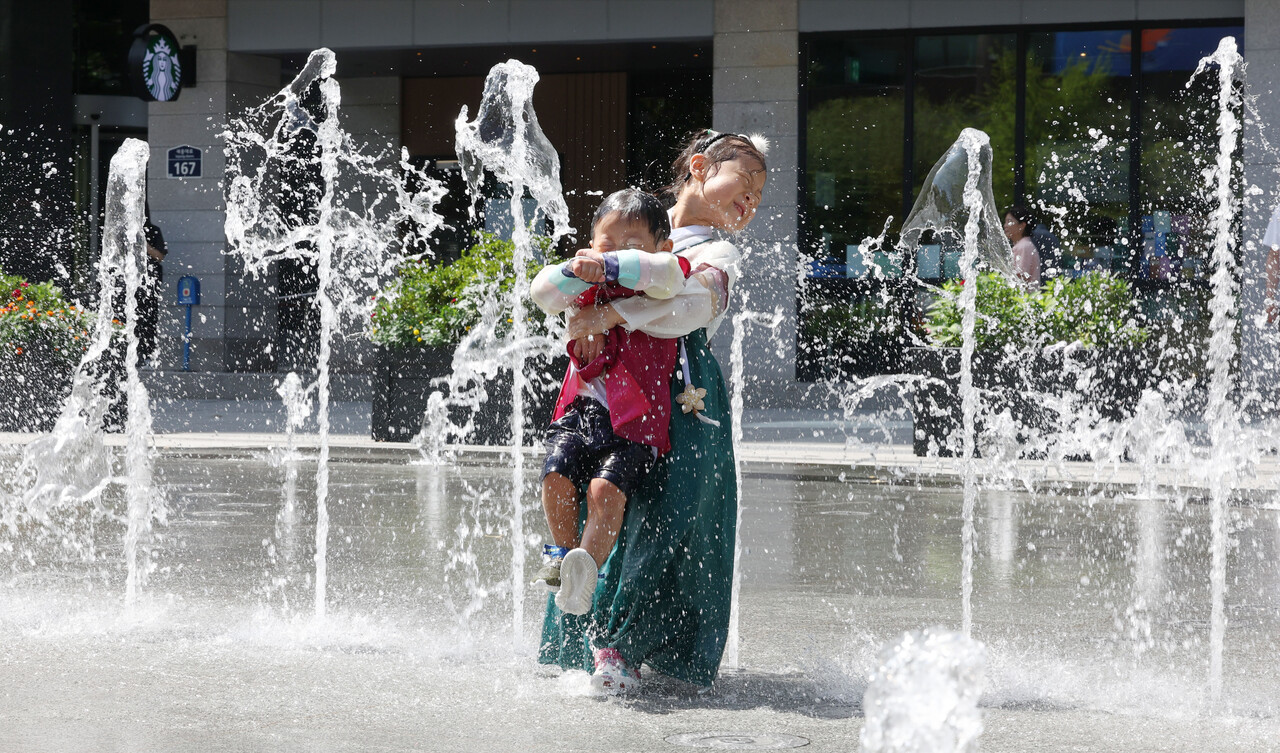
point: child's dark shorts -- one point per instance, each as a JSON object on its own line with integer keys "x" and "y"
{"x": 581, "y": 446}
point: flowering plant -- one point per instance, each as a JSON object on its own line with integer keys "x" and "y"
{"x": 35, "y": 315}
{"x": 435, "y": 303}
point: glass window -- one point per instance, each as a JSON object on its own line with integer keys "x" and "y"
{"x": 853, "y": 183}
{"x": 965, "y": 81}
{"x": 103, "y": 33}
{"x": 881, "y": 109}
{"x": 853, "y": 141}
{"x": 1077, "y": 147}
{"x": 1179, "y": 140}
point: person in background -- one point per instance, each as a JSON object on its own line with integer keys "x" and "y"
{"x": 149, "y": 292}
{"x": 1271, "y": 242}
{"x": 1018, "y": 224}
{"x": 1049, "y": 246}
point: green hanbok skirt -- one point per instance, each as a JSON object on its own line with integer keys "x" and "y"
{"x": 663, "y": 596}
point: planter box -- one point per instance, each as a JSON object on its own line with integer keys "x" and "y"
{"x": 35, "y": 383}
{"x": 402, "y": 386}
{"x": 33, "y": 386}
{"x": 1023, "y": 385}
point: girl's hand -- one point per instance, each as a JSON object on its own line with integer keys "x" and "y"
{"x": 588, "y": 265}
{"x": 588, "y": 349}
{"x": 595, "y": 320}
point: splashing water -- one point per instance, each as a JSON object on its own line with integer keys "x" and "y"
{"x": 297, "y": 407}
{"x": 1220, "y": 415}
{"x": 282, "y": 550}
{"x": 956, "y": 194}
{"x": 773, "y": 323}
{"x": 946, "y": 204}
{"x": 299, "y": 187}
{"x": 505, "y": 139}
{"x": 923, "y": 698}
{"x": 126, "y": 239}
{"x": 1153, "y": 435}
{"x": 72, "y": 465}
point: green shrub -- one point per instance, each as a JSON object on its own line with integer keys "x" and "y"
{"x": 36, "y": 315}
{"x": 1095, "y": 309}
{"x": 1003, "y": 313}
{"x": 433, "y": 303}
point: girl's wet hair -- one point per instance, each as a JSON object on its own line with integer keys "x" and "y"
{"x": 636, "y": 206}
{"x": 718, "y": 148}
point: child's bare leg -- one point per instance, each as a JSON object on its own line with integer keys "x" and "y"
{"x": 560, "y": 503}
{"x": 605, "y": 505}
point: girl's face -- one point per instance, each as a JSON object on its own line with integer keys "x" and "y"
{"x": 1013, "y": 229}
{"x": 730, "y": 191}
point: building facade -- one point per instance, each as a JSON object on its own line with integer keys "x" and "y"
{"x": 1086, "y": 104}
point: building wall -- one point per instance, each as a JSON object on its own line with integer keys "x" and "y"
{"x": 190, "y": 210}
{"x": 860, "y": 15}
{"x": 756, "y": 89}
{"x": 273, "y": 25}
{"x": 235, "y": 326}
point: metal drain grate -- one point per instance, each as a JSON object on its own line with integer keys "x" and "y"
{"x": 732, "y": 741}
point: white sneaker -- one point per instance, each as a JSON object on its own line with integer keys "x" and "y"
{"x": 578, "y": 576}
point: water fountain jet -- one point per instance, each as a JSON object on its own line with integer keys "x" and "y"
{"x": 280, "y": 207}
{"x": 505, "y": 139}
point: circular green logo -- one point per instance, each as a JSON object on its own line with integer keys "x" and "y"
{"x": 155, "y": 66}
{"x": 161, "y": 68}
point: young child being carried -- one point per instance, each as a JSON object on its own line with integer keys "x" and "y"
{"x": 612, "y": 418}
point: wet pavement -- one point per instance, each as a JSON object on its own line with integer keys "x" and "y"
{"x": 1093, "y": 605}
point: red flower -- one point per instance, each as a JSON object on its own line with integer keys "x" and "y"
{"x": 24, "y": 284}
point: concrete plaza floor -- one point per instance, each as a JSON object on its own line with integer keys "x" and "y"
{"x": 1093, "y": 604}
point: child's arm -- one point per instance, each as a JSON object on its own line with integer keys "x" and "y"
{"x": 553, "y": 290}
{"x": 556, "y": 287}
{"x": 656, "y": 275}
{"x": 696, "y": 304}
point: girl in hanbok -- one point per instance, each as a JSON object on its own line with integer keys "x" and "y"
{"x": 663, "y": 595}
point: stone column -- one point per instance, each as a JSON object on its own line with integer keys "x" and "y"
{"x": 756, "y": 89}
{"x": 1260, "y": 362}
{"x": 235, "y": 317}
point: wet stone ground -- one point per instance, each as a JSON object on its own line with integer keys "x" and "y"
{"x": 1094, "y": 611}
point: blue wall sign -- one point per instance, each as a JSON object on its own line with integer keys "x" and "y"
{"x": 188, "y": 295}
{"x": 185, "y": 162}
{"x": 188, "y": 291}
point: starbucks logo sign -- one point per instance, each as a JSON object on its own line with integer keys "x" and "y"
{"x": 154, "y": 65}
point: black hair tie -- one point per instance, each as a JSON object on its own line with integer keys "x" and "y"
{"x": 711, "y": 139}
